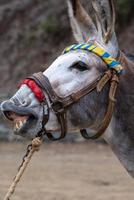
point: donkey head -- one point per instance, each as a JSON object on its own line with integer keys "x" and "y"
{"x": 70, "y": 73}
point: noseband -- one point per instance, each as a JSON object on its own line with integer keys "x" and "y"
{"x": 59, "y": 105}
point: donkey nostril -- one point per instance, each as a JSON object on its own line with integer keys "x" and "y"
{"x": 25, "y": 103}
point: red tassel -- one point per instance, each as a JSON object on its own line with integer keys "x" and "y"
{"x": 34, "y": 88}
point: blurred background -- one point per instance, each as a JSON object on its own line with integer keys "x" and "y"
{"x": 32, "y": 34}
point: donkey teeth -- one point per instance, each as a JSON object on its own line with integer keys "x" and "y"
{"x": 18, "y": 125}
{"x": 24, "y": 121}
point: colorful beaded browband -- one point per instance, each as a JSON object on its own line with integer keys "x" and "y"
{"x": 111, "y": 62}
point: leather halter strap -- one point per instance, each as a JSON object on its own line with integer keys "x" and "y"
{"x": 107, "y": 118}
{"x": 44, "y": 83}
{"x": 59, "y": 104}
{"x": 115, "y": 69}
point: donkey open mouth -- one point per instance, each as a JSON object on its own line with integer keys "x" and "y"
{"x": 23, "y": 112}
{"x": 21, "y": 123}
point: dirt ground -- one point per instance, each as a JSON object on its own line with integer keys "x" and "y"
{"x": 77, "y": 171}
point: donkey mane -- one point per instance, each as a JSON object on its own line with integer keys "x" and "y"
{"x": 130, "y": 56}
{"x": 129, "y": 63}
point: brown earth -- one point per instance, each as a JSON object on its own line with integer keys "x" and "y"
{"x": 66, "y": 172}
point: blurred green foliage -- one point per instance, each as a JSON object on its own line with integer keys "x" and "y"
{"x": 54, "y": 29}
{"x": 50, "y": 26}
{"x": 30, "y": 38}
{"x": 125, "y": 9}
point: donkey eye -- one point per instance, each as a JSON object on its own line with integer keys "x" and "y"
{"x": 81, "y": 66}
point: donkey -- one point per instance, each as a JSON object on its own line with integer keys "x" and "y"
{"x": 73, "y": 71}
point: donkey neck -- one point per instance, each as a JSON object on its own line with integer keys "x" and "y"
{"x": 124, "y": 109}
{"x": 120, "y": 134}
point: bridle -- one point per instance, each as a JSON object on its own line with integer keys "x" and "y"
{"x": 59, "y": 105}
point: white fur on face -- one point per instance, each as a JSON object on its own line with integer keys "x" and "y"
{"x": 66, "y": 80}
{"x": 26, "y": 97}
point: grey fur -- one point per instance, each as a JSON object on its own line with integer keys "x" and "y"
{"x": 85, "y": 30}
{"x": 81, "y": 22}
{"x": 120, "y": 134}
{"x": 105, "y": 17}
{"x": 121, "y": 139}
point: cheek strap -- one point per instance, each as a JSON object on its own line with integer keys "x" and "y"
{"x": 34, "y": 88}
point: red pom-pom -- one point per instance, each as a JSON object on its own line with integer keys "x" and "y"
{"x": 35, "y": 88}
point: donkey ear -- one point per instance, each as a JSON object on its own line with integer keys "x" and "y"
{"x": 105, "y": 18}
{"x": 82, "y": 25}
{"x": 104, "y": 11}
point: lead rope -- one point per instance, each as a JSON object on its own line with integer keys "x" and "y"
{"x": 31, "y": 149}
